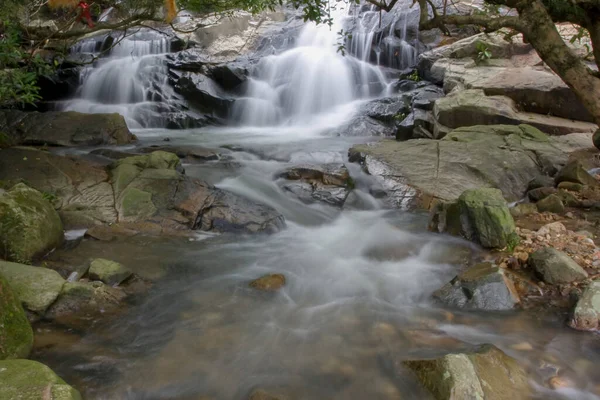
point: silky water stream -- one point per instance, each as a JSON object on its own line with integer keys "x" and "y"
{"x": 359, "y": 280}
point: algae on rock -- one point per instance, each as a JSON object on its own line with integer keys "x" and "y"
{"x": 16, "y": 335}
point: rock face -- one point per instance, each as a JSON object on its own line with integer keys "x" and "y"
{"x": 416, "y": 171}
{"x": 145, "y": 193}
{"x": 329, "y": 183}
{"x": 63, "y": 128}
{"x": 586, "y": 316}
{"x": 29, "y": 225}
{"x": 481, "y": 287}
{"x": 107, "y": 271}
{"x": 556, "y": 267}
{"x": 35, "y": 287}
{"x": 16, "y": 336}
{"x": 31, "y": 380}
{"x": 486, "y": 374}
{"x": 479, "y": 215}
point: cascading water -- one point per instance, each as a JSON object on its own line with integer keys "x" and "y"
{"x": 308, "y": 80}
{"x": 131, "y": 79}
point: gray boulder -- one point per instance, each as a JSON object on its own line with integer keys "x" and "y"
{"x": 328, "y": 183}
{"x": 481, "y": 287}
{"x": 586, "y": 316}
{"x": 575, "y": 173}
{"x": 555, "y": 267}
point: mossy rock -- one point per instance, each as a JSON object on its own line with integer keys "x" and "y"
{"x": 156, "y": 160}
{"x": 552, "y": 204}
{"x": 523, "y": 209}
{"x": 29, "y": 225}
{"x": 36, "y": 287}
{"x": 575, "y": 172}
{"x": 31, "y": 380}
{"x": 107, "y": 271}
{"x": 136, "y": 204}
{"x": 531, "y": 133}
{"x": 16, "y": 335}
{"x": 5, "y": 141}
{"x": 269, "y": 283}
{"x": 485, "y": 218}
{"x": 122, "y": 176}
{"x": 486, "y": 373}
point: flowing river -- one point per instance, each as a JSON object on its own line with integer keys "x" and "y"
{"x": 359, "y": 280}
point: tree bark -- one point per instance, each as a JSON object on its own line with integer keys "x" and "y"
{"x": 541, "y": 32}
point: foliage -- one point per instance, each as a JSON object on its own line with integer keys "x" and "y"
{"x": 414, "y": 76}
{"x": 19, "y": 71}
{"x": 483, "y": 53}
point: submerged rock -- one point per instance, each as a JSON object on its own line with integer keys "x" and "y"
{"x": 479, "y": 215}
{"x": 481, "y": 287}
{"x": 486, "y": 373}
{"x": 31, "y": 380}
{"x": 555, "y": 267}
{"x": 269, "y": 283}
{"x": 29, "y": 225}
{"x": 107, "y": 271}
{"x": 586, "y": 316}
{"x": 16, "y": 335}
{"x": 36, "y": 287}
{"x": 66, "y": 128}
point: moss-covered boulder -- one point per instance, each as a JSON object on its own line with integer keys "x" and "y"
{"x": 479, "y": 215}
{"x": 36, "y": 287}
{"x": 107, "y": 271}
{"x": 486, "y": 373}
{"x": 16, "y": 336}
{"x": 31, "y": 380}
{"x": 552, "y": 204}
{"x": 29, "y": 225}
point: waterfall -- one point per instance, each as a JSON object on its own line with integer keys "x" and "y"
{"x": 310, "y": 79}
{"x": 130, "y": 78}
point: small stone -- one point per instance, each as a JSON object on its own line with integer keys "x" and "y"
{"x": 556, "y": 267}
{"x": 571, "y": 186}
{"x": 269, "y": 283}
{"x": 523, "y": 346}
{"x": 552, "y": 204}
{"x": 586, "y": 316}
{"x": 558, "y": 382}
{"x": 107, "y": 271}
{"x": 569, "y": 215}
{"x": 523, "y": 209}
{"x": 553, "y": 228}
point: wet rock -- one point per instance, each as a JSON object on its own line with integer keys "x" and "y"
{"x": 574, "y": 172}
{"x": 481, "y": 287}
{"x": 111, "y": 153}
{"x": 202, "y": 93}
{"x": 16, "y": 336}
{"x": 269, "y": 283}
{"x": 29, "y": 225}
{"x": 231, "y": 75}
{"x": 540, "y": 182}
{"x": 571, "y": 186}
{"x": 67, "y": 128}
{"x": 31, "y": 380}
{"x": 552, "y": 204}
{"x": 84, "y": 300}
{"x": 540, "y": 193}
{"x": 505, "y": 157}
{"x": 555, "y": 267}
{"x": 386, "y": 109}
{"x": 329, "y": 183}
{"x": 189, "y": 154}
{"x": 586, "y": 316}
{"x": 404, "y": 130}
{"x": 486, "y": 373}
{"x": 110, "y": 272}
{"x": 523, "y": 209}
{"x": 36, "y": 287}
{"x": 479, "y": 215}
{"x": 568, "y": 199}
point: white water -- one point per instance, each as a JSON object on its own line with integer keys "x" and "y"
{"x": 130, "y": 79}
{"x": 311, "y": 80}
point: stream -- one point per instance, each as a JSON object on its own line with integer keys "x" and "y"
{"x": 357, "y": 301}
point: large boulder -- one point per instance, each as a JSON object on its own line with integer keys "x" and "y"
{"x": 486, "y": 373}
{"x": 415, "y": 172}
{"x": 31, "y": 380}
{"x": 555, "y": 267}
{"x": 35, "y": 287}
{"x": 481, "y": 287}
{"x": 586, "y": 316}
{"x": 479, "y": 215}
{"x": 474, "y": 107}
{"x": 16, "y": 336}
{"x": 202, "y": 93}
{"x": 29, "y": 225}
{"x": 67, "y": 128}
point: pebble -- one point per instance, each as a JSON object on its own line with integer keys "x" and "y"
{"x": 558, "y": 382}
{"x": 523, "y": 346}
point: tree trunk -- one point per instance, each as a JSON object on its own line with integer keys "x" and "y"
{"x": 544, "y": 37}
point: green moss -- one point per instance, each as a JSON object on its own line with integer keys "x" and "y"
{"x": 5, "y": 141}
{"x": 163, "y": 160}
{"x": 31, "y": 380}
{"x": 16, "y": 335}
{"x": 532, "y": 133}
{"x": 107, "y": 271}
{"x": 137, "y": 203}
{"x": 122, "y": 175}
